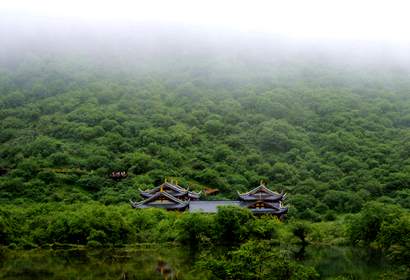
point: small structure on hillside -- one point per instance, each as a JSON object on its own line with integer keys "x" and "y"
{"x": 118, "y": 175}
{"x": 262, "y": 200}
{"x": 211, "y": 191}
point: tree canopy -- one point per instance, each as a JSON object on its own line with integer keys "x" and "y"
{"x": 333, "y": 139}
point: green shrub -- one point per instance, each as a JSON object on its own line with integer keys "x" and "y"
{"x": 231, "y": 224}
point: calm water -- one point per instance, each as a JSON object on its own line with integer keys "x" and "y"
{"x": 167, "y": 263}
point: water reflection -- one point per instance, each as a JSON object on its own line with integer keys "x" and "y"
{"x": 345, "y": 262}
{"x": 166, "y": 270}
{"x": 168, "y": 263}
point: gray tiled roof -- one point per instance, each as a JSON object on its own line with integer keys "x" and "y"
{"x": 210, "y": 206}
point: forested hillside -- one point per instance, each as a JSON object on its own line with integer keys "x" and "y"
{"x": 332, "y": 134}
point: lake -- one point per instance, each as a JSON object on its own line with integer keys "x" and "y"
{"x": 168, "y": 263}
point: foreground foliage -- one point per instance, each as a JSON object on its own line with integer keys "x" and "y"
{"x": 95, "y": 224}
{"x": 257, "y": 260}
{"x": 383, "y": 226}
{"x": 252, "y": 242}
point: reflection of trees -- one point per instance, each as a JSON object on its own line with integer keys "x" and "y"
{"x": 300, "y": 255}
{"x": 166, "y": 270}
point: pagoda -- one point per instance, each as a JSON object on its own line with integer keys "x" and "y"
{"x": 173, "y": 189}
{"x": 168, "y": 195}
{"x": 262, "y": 200}
{"x": 162, "y": 199}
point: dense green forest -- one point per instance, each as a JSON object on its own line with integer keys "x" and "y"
{"x": 334, "y": 135}
{"x": 333, "y": 140}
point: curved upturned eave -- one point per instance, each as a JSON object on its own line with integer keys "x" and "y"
{"x": 271, "y": 198}
{"x": 146, "y": 194}
{"x": 195, "y": 195}
{"x": 261, "y": 188}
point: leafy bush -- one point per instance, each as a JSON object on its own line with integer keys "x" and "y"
{"x": 366, "y": 225}
{"x": 257, "y": 260}
{"x": 231, "y": 224}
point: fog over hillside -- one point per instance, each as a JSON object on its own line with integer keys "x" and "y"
{"x": 120, "y": 41}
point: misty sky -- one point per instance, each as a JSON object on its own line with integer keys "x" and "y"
{"x": 349, "y": 31}
{"x": 372, "y": 20}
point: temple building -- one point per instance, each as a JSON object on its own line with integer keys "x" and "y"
{"x": 170, "y": 196}
{"x": 262, "y": 200}
{"x": 173, "y": 189}
{"x": 161, "y": 199}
